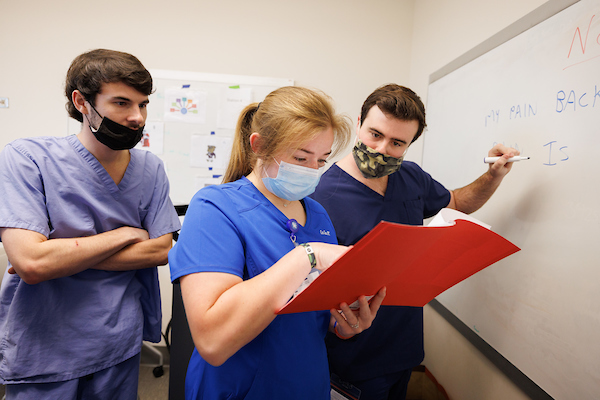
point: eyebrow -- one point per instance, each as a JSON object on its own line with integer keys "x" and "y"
{"x": 381, "y": 133}
{"x": 312, "y": 153}
{"x": 121, "y": 98}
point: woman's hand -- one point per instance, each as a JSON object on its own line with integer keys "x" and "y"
{"x": 326, "y": 254}
{"x": 347, "y": 322}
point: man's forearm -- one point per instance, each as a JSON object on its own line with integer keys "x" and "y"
{"x": 146, "y": 254}
{"x": 472, "y": 197}
{"x": 36, "y": 259}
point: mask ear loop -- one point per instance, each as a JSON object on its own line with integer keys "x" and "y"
{"x": 88, "y": 120}
{"x": 265, "y": 170}
{"x": 405, "y": 151}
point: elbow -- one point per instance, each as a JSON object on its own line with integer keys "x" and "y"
{"x": 214, "y": 355}
{"x": 29, "y": 272}
{"x": 162, "y": 252}
{"x": 215, "y": 361}
{"x": 156, "y": 257}
{"x": 215, "y": 351}
{"x": 162, "y": 258}
{"x": 31, "y": 280}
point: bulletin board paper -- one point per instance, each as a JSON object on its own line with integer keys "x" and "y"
{"x": 189, "y": 161}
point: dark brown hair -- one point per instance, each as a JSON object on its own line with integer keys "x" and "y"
{"x": 399, "y": 102}
{"x": 90, "y": 70}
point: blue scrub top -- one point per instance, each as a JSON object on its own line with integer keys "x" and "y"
{"x": 232, "y": 228}
{"x": 394, "y": 342}
{"x": 70, "y": 327}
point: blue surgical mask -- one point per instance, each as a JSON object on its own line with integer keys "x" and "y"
{"x": 293, "y": 182}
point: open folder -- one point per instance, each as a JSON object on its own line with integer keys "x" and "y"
{"x": 415, "y": 263}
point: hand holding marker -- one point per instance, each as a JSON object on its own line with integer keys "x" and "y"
{"x": 491, "y": 160}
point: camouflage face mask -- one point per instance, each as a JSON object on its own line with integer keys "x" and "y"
{"x": 373, "y": 164}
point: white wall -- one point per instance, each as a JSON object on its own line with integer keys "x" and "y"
{"x": 337, "y": 46}
{"x": 343, "y": 47}
{"x": 3, "y": 262}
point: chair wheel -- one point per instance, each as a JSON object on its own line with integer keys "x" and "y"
{"x": 158, "y": 371}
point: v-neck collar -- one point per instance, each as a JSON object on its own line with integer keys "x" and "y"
{"x": 278, "y": 213}
{"x": 100, "y": 171}
{"x": 367, "y": 189}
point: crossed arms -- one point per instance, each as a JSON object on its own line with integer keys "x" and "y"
{"x": 36, "y": 259}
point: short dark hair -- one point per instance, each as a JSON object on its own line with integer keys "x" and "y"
{"x": 90, "y": 70}
{"x": 399, "y": 102}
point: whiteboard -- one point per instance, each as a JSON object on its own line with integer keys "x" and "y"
{"x": 191, "y": 121}
{"x": 539, "y": 92}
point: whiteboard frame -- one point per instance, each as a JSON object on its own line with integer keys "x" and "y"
{"x": 219, "y": 78}
{"x": 530, "y": 20}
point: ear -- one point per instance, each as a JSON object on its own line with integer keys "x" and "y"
{"x": 255, "y": 142}
{"x": 357, "y": 128}
{"x": 79, "y": 102}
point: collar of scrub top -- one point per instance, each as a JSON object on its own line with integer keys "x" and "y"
{"x": 293, "y": 226}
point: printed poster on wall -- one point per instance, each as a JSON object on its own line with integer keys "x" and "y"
{"x": 210, "y": 151}
{"x": 153, "y": 138}
{"x": 185, "y": 105}
{"x": 232, "y": 102}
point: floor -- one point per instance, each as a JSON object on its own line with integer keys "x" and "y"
{"x": 151, "y": 387}
{"x": 157, "y": 388}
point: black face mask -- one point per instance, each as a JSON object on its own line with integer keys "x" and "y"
{"x": 116, "y": 136}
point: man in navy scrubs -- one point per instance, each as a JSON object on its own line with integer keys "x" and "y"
{"x": 373, "y": 184}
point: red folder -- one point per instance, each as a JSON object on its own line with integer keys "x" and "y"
{"x": 415, "y": 263}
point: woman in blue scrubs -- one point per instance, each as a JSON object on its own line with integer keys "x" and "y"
{"x": 247, "y": 245}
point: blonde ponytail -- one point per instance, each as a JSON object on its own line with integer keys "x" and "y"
{"x": 242, "y": 157}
